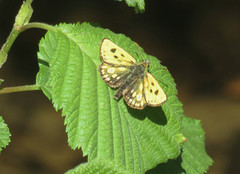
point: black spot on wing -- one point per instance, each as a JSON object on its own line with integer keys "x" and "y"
{"x": 156, "y": 92}
{"x": 115, "y": 57}
{"x": 113, "y": 50}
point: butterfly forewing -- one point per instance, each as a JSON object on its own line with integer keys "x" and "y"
{"x": 154, "y": 94}
{"x": 134, "y": 94}
{"x": 113, "y": 76}
{"x": 113, "y": 54}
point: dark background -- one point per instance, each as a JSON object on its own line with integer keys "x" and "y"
{"x": 199, "y": 42}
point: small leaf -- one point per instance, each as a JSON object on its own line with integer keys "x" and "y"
{"x": 138, "y": 4}
{"x": 99, "y": 166}
{"x": 4, "y": 134}
{"x": 101, "y": 126}
{"x": 24, "y": 14}
{"x": 194, "y": 158}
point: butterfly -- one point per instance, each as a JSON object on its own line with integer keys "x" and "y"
{"x": 137, "y": 86}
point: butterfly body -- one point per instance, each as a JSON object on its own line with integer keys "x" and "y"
{"x": 138, "y": 71}
{"x": 119, "y": 69}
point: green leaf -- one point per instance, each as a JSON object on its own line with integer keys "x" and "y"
{"x": 138, "y": 4}
{"x": 44, "y": 55}
{"x": 105, "y": 128}
{"x": 4, "y": 134}
{"x": 99, "y": 166}
{"x": 194, "y": 158}
{"x": 24, "y": 14}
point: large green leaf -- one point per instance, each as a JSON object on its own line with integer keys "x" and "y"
{"x": 194, "y": 158}
{"x": 4, "y": 134}
{"x": 99, "y": 166}
{"x": 138, "y": 140}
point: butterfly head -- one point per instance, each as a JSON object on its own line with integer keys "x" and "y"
{"x": 146, "y": 63}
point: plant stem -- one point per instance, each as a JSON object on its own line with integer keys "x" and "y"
{"x": 36, "y": 25}
{"x": 10, "y": 40}
{"x": 14, "y": 34}
{"x": 21, "y": 24}
{"x": 19, "y": 89}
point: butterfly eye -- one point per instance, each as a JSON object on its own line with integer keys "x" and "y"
{"x": 147, "y": 61}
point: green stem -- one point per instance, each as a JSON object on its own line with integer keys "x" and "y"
{"x": 19, "y": 89}
{"x": 10, "y": 40}
{"x": 37, "y": 25}
{"x": 16, "y": 31}
{"x": 14, "y": 34}
{"x": 21, "y": 24}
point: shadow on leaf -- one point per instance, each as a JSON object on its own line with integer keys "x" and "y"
{"x": 155, "y": 114}
{"x": 171, "y": 167}
{"x": 43, "y": 62}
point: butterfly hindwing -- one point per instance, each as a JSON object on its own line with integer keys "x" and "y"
{"x": 154, "y": 94}
{"x": 134, "y": 94}
{"x": 112, "y": 54}
{"x": 113, "y": 76}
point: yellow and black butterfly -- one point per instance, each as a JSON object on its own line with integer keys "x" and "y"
{"x": 119, "y": 69}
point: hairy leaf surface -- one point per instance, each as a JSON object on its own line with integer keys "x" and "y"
{"x": 95, "y": 121}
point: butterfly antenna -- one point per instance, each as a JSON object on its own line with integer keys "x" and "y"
{"x": 139, "y": 52}
{"x": 148, "y": 61}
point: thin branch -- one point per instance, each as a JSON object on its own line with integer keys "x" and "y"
{"x": 7, "y": 90}
{"x": 36, "y": 25}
